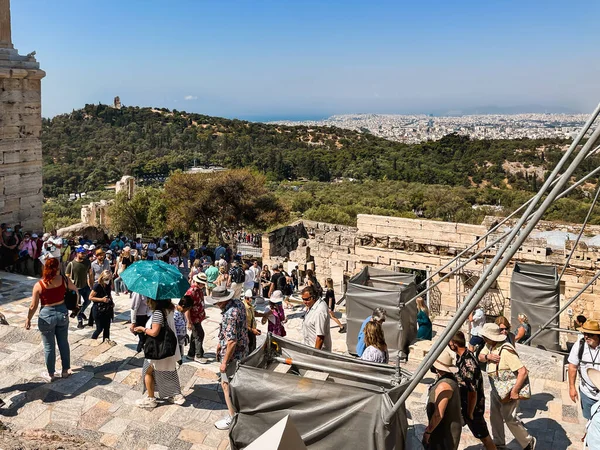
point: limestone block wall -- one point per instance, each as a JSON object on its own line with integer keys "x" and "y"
{"x": 20, "y": 127}
{"x": 390, "y": 243}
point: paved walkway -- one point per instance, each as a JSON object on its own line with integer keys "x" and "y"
{"x": 95, "y": 407}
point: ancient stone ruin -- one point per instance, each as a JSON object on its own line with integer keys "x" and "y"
{"x": 20, "y": 127}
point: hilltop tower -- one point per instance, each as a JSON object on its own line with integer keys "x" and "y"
{"x": 20, "y": 127}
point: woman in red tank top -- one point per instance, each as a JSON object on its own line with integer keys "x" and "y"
{"x": 53, "y": 319}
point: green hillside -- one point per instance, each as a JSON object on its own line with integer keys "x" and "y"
{"x": 96, "y": 145}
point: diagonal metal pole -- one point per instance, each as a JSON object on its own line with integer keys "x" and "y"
{"x": 497, "y": 240}
{"x": 566, "y": 305}
{"x": 500, "y": 261}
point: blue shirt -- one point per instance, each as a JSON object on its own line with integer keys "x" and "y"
{"x": 218, "y": 252}
{"x": 360, "y": 345}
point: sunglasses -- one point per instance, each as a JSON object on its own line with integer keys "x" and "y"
{"x": 589, "y": 335}
{"x": 305, "y": 299}
{"x": 503, "y": 329}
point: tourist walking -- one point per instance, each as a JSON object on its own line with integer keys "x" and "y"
{"x": 477, "y": 320}
{"x": 444, "y": 425}
{"x": 376, "y": 350}
{"x": 103, "y": 307}
{"x": 233, "y": 342}
{"x": 100, "y": 265}
{"x": 330, "y": 300}
{"x": 256, "y": 270}
{"x": 53, "y": 319}
{"x": 470, "y": 384}
{"x": 504, "y": 326}
{"x": 523, "y": 329}
{"x": 160, "y": 374}
{"x": 501, "y": 356}
{"x": 195, "y": 316}
{"x": 274, "y": 315}
{"x": 80, "y": 272}
{"x": 584, "y": 355}
{"x": 124, "y": 260}
{"x": 425, "y": 331}
{"x": 139, "y": 317}
{"x": 249, "y": 278}
{"x": 250, "y": 321}
{"x": 237, "y": 277}
{"x": 592, "y": 428}
{"x": 212, "y": 273}
{"x": 277, "y": 280}
{"x": 315, "y": 327}
{"x": 378, "y": 315}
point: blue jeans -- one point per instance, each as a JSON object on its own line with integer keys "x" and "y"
{"x": 120, "y": 286}
{"x": 586, "y": 405}
{"x": 53, "y": 323}
{"x": 84, "y": 292}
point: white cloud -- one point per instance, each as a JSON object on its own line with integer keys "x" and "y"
{"x": 190, "y": 97}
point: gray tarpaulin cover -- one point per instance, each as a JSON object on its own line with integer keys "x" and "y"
{"x": 375, "y": 287}
{"x": 535, "y": 291}
{"x": 341, "y": 412}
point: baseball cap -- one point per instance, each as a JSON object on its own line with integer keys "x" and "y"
{"x": 80, "y": 249}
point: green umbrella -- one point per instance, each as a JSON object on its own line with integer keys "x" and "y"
{"x": 155, "y": 279}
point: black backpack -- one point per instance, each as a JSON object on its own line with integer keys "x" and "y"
{"x": 238, "y": 275}
{"x": 163, "y": 345}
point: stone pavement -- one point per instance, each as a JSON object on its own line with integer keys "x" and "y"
{"x": 95, "y": 407}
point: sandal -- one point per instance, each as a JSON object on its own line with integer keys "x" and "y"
{"x": 66, "y": 373}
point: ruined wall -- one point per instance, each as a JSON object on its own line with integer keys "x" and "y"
{"x": 20, "y": 127}
{"x": 390, "y": 242}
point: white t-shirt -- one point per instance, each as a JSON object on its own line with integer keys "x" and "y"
{"x": 478, "y": 322}
{"x": 589, "y": 358}
{"x": 255, "y": 273}
{"x": 249, "y": 281}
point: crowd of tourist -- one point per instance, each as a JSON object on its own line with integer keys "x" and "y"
{"x": 245, "y": 292}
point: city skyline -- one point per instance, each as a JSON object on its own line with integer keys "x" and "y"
{"x": 311, "y": 60}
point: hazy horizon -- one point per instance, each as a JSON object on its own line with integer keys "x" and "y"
{"x": 311, "y": 59}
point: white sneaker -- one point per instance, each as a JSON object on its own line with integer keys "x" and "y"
{"x": 223, "y": 424}
{"x": 146, "y": 402}
{"x": 176, "y": 399}
{"x": 200, "y": 360}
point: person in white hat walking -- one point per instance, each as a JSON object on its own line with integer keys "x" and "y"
{"x": 195, "y": 316}
{"x": 443, "y": 407}
{"x": 501, "y": 356}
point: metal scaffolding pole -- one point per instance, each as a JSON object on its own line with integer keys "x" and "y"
{"x": 566, "y": 305}
{"x": 489, "y": 245}
{"x": 503, "y": 257}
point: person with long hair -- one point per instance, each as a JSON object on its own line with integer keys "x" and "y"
{"x": 161, "y": 374}
{"x": 424, "y": 332}
{"x": 53, "y": 319}
{"x": 376, "y": 350}
{"x": 103, "y": 309}
{"x": 504, "y": 325}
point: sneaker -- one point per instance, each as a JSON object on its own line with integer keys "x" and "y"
{"x": 531, "y": 445}
{"x": 223, "y": 424}
{"x": 176, "y": 399}
{"x": 146, "y": 402}
{"x": 80, "y": 325}
{"x": 200, "y": 360}
{"x": 342, "y": 329}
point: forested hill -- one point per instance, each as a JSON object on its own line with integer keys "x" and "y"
{"x": 96, "y": 145}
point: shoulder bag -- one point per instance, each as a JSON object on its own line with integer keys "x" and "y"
{"x": 503, "y": 381}
{"x": 71, "y": 298}
{"x": 163, "y": 345}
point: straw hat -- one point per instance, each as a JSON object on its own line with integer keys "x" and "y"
{"x": 492, "y": 332}
{"x": 444, "y": 363}
{"x": 99, "y": 251}
{"x": 594, "y": 376}
{"x": 591, "y": 327}
{"x": 200, "y": 278}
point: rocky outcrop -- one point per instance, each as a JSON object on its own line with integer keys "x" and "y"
{"x": 82, "y": 229}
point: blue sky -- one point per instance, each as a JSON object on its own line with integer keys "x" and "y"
{"x": 277, "y": 59}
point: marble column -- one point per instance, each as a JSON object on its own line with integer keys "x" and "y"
{"x": 5, "y": 31}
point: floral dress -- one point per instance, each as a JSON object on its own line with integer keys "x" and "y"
{"x": 276, "y": 319}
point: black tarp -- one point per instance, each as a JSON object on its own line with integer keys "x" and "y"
{"x": 535, "y": 291}
{"x": 343, "y": 411}
{"x": 390, "y": 290}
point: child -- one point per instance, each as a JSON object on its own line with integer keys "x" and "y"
{"x": 274, "y": 314}
{"x": 185, "y": 304}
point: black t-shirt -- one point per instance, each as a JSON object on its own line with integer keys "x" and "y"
{"x": 126, "y": 261}
{"x": 275, "y": 278}
{"x": 102, "y": 291}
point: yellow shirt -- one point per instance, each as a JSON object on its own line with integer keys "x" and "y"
{"x": 509, "y": 360}
{"x": 251, "y": 321}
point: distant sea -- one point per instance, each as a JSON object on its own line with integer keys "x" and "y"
{"x": 281, "y": 118}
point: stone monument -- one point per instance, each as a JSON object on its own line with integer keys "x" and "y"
{"x": 20, "y": 127}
